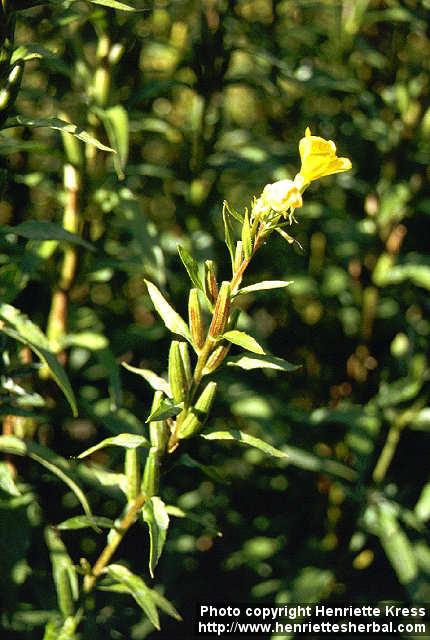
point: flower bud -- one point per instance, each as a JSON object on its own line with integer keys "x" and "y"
{"x": 211, "y": 286}
{"x": 221, "y": 311}
{"x": 216, "y": 358}
{"x": 199, "y": 413}
{"x": 196, "y": 319}
{"x": 177, "y": 375}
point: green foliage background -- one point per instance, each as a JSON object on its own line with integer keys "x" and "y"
{"x": 206, "y": 101}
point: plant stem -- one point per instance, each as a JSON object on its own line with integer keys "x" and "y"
{"x": 57, "y": 320}
{"x": 107, "y": 553}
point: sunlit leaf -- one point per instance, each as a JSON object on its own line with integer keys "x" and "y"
{"x": 59, "y": 125}
{"x": 138, "y": 589}
{"x": 126, "y": 440}
{"x": 264, "y": 285}
{"x": 18, "y": 326}
{"x": 155, "y": 381}
{"x": 245, "y": 438}
{"x": 261, "y": 362}
{"x": 171, "y": 319}
{"x": 243, "y": 340}
{"x": 191, "y": 266}
{"x": 155, "y": 515}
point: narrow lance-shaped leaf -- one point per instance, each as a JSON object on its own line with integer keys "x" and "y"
{"x": 264, "y": 285}
{"x": 126, "y": 440}
{"x": 138, "y": 589}
{"x": 251, "y": 361}
{"x": 170, "y": 317}
{"x": 83, "y": 522}
{"x": 245, "y": 438}
{"x": 59, "y": 125}
{"x": 16, "y": 325}
{"x": 44, "y": 230}
{"x": 228, "y": 232}
{"x": 155, "y": 515}
{"x": 64, "y": 573}
{"x": 115, "y": 4}
{"x": 155, "y": 381}
{"x": 191, "y": 266}
{"x": 243, "y": 340}
{"x": 115, "y": 120}
{"x": 246, "y": 237}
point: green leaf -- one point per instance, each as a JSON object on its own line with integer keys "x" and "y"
{"x": 155, "y": 381}
{"x": 115, "y": 120}
{"x": 246, "y": 237}
{"x": 228, "y": 231}
{"x": 30, "y": 51}
{"x": 243, "y": 340}
{"x": 171, "y": 319}
{"x": 264, "y": 285}
{"x": 191, "y": 266}
{"x": 165, "y": 605}
{"x": 396, "y": 544}
{"x": 209, "y": 470}
{"x": 42, "y": 230}
{"x": 7, "y": 482}
{"x": 82, "y": 522}
{"x": 155, "y": 515}
{"x": 58, "y": 125}
{"x": 138, "y": 589}
{"x": 18, "y": 326}
{"x": 244, "y": 438}
{"x": 261, "y": 362}
{"x": 114, "y": 4}
{"x": 64, "y": 573}
{"x": 232, "y": 211}
{"x": 166, "y": 409}
{"x": 422, "y": 507}
{"x": 126, "y": 440}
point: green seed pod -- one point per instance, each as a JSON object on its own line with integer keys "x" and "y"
{"x": 177, "y": 375}
{"x": 199, "y": 413}
{"x": 195, "y": 317}
{"x": 221, "y": 311}
{"x": 159, "y": 431}
{"x": 216, "y": 358}
{"x": 211, "y": 286}
{"x": 10, "y": 90}
{"x": 151, "y": 474}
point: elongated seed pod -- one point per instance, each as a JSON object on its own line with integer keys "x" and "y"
{"x": 151, "y": 474}
{"x": 10, "y": 90}
{"x": 211, "y": 286}
{"x": 177, "y": 376}
{"x": 221, "y": 311}
{"x": 216, "y": 358}
{"x": 195, "y": 318}
{"x": 199, "y": 413}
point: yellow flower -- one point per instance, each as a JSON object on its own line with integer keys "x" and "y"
{"x": 280, "y": 196}
{"x": 319, "y": 159}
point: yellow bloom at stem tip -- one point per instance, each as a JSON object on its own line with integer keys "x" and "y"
{"x": 319, "y": 158}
